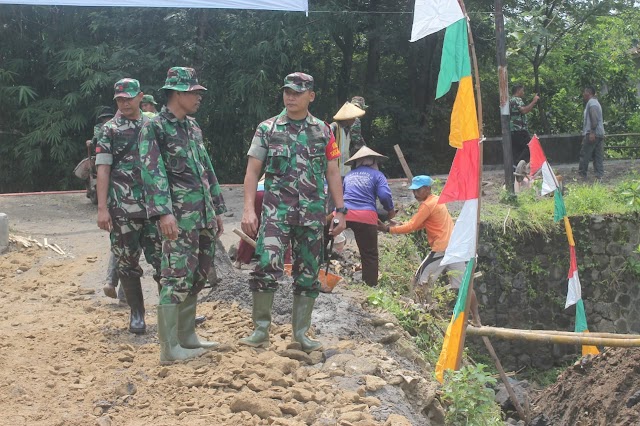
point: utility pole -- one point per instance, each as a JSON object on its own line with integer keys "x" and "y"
{"x": 501, "y": 52}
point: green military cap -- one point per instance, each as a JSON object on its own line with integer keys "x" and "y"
{"x": 148, "y": 99}
{"x": 298, "y": 81}
{"x": 182, "y": 79}
{"x": 359, "y": 102}
{"x": 126, "y": 88}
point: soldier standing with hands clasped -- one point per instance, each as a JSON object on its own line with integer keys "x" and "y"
{"x": 120, "y": 207}
{"x": 298, "y": 152}
{"x": 183, "y": 194}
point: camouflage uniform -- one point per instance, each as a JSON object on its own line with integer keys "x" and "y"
{"x": 149, "y": 100}
{"x": 179, "y": 179}
{"x": 357, "y": 141}
{"x": 295, "y": 157}
{"x": 132, "y": 232}
{"x": 520, "y": 136}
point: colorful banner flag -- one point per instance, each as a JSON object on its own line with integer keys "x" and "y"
{"x": 539, "y": 162}
{"x": 550, "y": 184}
{"x": 456, "y": 66}
{"x": 463, "y": 181}
{"x": 430, "y": 16}
{"x": 453, "y": 342}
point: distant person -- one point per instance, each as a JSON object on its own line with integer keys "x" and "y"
{"x": 518, "y": 126}
{"x": 148, "y": 106}
{"x": 106, "y": 114}
{"x": 121, "y": 209}
{"x": 435, "y": 219}
{"x": 357, "y": 140}
{"x": 363, "y": 185}
{"x": 593, "y": 135}
{"x": 345, "y": 118}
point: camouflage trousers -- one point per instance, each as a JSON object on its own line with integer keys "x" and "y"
{"x": 130, "y": 237}
{"x": 273, "y": 240}
{"x": 185, "y": 264}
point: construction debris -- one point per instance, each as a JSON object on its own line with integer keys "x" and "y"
{"x": 30, "y": 242}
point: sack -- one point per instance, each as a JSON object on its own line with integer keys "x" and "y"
{"x": 83, "y": 169}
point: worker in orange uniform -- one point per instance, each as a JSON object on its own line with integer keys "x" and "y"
{"x": 435, "y": 219}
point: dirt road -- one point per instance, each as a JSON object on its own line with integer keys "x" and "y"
{"x": 66, "y": 358}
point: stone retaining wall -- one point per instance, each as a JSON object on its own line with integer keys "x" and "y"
{"x": 525, "y": 284}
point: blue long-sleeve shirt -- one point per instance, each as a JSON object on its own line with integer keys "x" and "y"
{"x": 361, "y": 188}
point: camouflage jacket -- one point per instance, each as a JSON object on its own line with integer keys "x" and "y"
{"x": 177, "y": 172}
{"x": 357, "y": 141}
{"x": 97, "y": 129}
{"x": 518, "y": 119}
{"x": 125, "y": 198}
{"x": 295, "y": 156}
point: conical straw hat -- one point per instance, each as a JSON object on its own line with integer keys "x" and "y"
{"x": 348, "y": 111}
{"x": 365, "y": 152}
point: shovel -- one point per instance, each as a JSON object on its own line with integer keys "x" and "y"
{"x": 327, "y": 281}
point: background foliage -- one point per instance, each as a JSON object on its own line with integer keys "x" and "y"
{"x": 58, "y": 65}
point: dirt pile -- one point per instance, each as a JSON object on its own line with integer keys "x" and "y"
{"x": 603, "y": 390}
{"x": 67, "y": 359}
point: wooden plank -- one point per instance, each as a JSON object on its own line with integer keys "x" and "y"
{"x": 403, "y": 163}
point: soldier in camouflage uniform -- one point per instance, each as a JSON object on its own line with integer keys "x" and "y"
{"x": 357, "y": 141}
{"x": 120, "y": 201}
{"x": 298, "y": 152}
{"x": 520, "y": 136}
{"x": 183, "y": 194}
{"x": 148, "y": 106}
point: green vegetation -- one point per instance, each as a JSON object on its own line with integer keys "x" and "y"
{"x": 58, "y": 65}
{"x": 469, "y": 398}
{"x": 530, "y": 213}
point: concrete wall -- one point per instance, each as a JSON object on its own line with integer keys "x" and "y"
{"x": 525, "y": 284}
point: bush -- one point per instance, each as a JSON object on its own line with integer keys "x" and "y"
{"x": 468, "y": 399}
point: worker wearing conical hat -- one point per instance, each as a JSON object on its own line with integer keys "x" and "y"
{"x": 363, "y": 185}
{"x": 344, "y": 119}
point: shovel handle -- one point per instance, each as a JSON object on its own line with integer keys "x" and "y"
{"x": 247, "y": 239}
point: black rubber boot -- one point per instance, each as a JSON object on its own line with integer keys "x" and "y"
{"x": 133, "y": 292}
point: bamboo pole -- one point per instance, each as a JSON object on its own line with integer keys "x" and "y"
{"x": 534, "y": 336}
{"x": 601, "y": 335}
{"x": 505, "y": 379}
{"x": 247, "y": 239}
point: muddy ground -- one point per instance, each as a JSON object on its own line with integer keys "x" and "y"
{"x": 66, "y": 358}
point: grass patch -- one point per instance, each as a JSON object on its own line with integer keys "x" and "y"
{"x": 530, "y": 213}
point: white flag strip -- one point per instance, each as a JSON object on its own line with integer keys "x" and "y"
{"x": 574, "y": 292}
{"x": 430, "y": 16}
{"x": 462, "y": 244}
{"x": 290, "y": 5}
{"x": 549, "y": 180}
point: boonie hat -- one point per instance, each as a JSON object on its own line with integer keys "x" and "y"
{"x": 365, "y": 152}
{"x": 106, "y": 111}
{"x": 359, "y": 102}
{"x": 149, "y": 100}
{"x": 298, "y": 81}
{"x": 126, "y": 88}
{"x": 348, "y": 111}
{"x": 419, "y": 181}
{"x": 182, "y": 79}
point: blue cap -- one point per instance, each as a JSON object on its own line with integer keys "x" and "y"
{"x": 420, "y": 181}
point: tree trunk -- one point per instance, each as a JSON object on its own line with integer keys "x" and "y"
{"x": 345, "y": 43}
